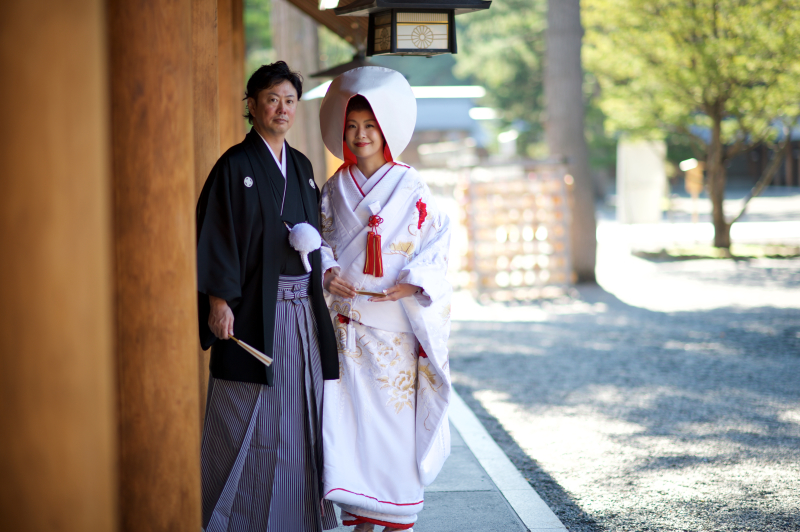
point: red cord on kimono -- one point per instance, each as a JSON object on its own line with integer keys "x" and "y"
{"x": 423, "y": 213}
{"x": 374, "y": 263}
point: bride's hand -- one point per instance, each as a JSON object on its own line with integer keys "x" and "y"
{"x": 336, "y": 285}
{"x": 398, "y": 291}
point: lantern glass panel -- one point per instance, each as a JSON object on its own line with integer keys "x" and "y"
{"x": 422, "y": 31}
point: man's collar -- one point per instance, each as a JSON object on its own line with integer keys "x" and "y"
{"x": 283, "y": 143}
{"x": 280, "y": 162}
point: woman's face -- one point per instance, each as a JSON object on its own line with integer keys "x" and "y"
{"x": 363, "y": 134}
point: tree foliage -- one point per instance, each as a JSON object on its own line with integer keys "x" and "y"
{"x": 669, "y": 65}
{"x": 257, "y": 29}
{"x": 257, "y": 35}
{"x": 503, "y": 48}
{"x": 721, "y": 73}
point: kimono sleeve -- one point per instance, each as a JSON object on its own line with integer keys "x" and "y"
{"x": 326, "y": 223}
{"x": 428, "y": 269}
{"x": 218, "y": 261}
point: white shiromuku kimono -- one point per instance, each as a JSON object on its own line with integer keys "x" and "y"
{"x": 385, "y": 428}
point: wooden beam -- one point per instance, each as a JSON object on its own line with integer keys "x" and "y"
{"x": 57, "y": 411}
{"x": 154, "y": 239}
{"x": 351, "y": 29}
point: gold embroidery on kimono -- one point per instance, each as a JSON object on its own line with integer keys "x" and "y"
{"x": 401, "y": 248}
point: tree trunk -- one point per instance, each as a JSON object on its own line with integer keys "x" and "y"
{"x": 563, "y": 85}
{"x": 715, "y": 166}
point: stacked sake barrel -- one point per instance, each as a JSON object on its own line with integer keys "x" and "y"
{"x": 517, "y": 219}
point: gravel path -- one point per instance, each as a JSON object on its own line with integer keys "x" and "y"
{"x": 628, "y": 416}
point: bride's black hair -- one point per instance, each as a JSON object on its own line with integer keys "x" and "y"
{"x": 358, "y": 103}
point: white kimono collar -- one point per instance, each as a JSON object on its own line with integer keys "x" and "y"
{"x": 365, "y": 184}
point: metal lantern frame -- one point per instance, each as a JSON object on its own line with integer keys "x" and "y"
{"x": 411, "y": 27}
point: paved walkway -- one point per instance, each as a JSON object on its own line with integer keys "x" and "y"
{"x": 479, "y": 489}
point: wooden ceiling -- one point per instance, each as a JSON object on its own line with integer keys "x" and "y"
{"x": 351, "y": 29}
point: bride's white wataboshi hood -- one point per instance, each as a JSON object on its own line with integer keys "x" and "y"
{"x": 392, "y": 101}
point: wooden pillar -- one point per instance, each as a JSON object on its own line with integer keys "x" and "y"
{"x": 296, "y": 41}
{"x": 230, "y": 17}
{"x": 58, "y": 443}
{"x": 205, "y": 79}
{"x": 155, "y": 280}
{"x": 238, "y": 81}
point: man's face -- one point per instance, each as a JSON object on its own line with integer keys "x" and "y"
{"x": 273, "y": 110}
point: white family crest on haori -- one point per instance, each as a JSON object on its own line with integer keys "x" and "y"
{"x": 385, "y": 430}
{"x": 248, "y": 181}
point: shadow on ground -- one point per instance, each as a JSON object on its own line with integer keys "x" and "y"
{"x": 551, "y": 492}
{"x": 628, "y": 419}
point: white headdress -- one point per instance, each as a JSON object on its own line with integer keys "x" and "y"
{"x": 390, "y": 97}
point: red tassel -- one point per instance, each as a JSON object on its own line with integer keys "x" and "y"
{"x": 374, "y": 263}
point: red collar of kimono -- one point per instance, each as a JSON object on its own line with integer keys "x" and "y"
{"x": 350, "y": 159}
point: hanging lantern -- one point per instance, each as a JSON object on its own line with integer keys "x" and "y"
{"x": 407, "y": 27}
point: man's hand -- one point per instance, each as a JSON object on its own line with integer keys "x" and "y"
{"x": 336, "y": 285}
{"x": 220, "y": 319}
{"x": 398, "y": 291}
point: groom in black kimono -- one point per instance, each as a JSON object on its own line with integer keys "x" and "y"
{"x": 261, "y": 451}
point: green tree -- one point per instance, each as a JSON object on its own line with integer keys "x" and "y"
{"x": 257, "y": 31}
{"x": 506, "y": 48}
{"x": 257, "y": 35}
{"x": 721, "y": 73}
{"x": 503, "y": 48}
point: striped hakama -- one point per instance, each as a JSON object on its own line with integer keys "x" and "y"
{"x": 261, "y": 455}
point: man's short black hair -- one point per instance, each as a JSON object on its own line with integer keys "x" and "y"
{"x": 268, "y": 76}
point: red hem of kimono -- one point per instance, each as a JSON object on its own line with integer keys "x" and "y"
{"x": 353, "y": 520}
{"x": 374, "y": 499}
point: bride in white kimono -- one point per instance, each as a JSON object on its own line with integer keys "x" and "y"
{"x": 385, "y": 428}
